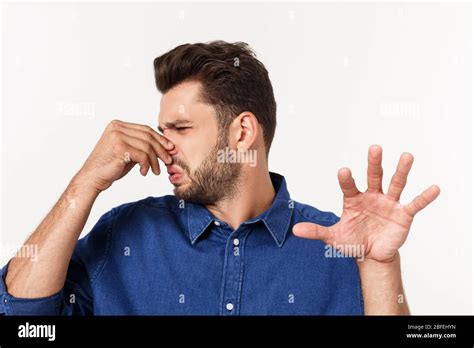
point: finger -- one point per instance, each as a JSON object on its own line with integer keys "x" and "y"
{"x": 421, "y": 201}
{"x": 130, "y": 154}
{"x": 312, "y": 231}
{"x": 399, "y": 179}
{"x": 144, "y": 128}
{"x": 347, "y": 183}
{"x": 160, "y": 151}
{"x": 374, "y": 169}
{"x": 146, "y": 147}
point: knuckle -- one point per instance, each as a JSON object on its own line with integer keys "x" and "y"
{"x": 114, "y": 135}
{"x": 417, "y": 204}
{"x": 398, "y": 183}
{"x": 113, "y": 124}
{"x": 373, "y": 176}
{"x": 120, "y": 148}
{"x": 423, "y": 201}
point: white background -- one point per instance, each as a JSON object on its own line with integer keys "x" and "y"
{"x": 345, "y": 75}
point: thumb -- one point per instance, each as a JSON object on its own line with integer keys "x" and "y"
{"x": 312, "y": 231}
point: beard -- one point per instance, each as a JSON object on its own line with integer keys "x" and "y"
{"x": 212, "y": 181}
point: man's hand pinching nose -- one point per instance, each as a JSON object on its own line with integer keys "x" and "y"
{"x": 120, "y": 148}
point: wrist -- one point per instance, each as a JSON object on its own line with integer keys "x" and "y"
{"x": 380, "y": 268}
{"x": 382, "y": 287}
{"x": 82, "y": 185}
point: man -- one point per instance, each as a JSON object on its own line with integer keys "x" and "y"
{"x": 223, "y": 244}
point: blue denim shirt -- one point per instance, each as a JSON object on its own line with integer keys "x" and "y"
{"x": 160, "y": 256}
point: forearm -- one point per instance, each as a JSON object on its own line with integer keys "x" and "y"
{"x": 382, "y": 287}
{"x": 54, "y": 241}
{"x": 121, "y": 146}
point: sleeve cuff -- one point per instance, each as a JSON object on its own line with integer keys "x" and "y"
{"x": 11, "y": 305}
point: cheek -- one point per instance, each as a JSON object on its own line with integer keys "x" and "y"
{"x": 195, "y": 152}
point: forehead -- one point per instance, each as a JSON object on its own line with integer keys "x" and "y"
{"x": 182, "y": 102}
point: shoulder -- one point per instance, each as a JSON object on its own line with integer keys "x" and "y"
{"x": 341, "y": 271}
{"x": 136, "y": 216}
{"x": 307, "y": 213}
{"x": 168, "y": 202}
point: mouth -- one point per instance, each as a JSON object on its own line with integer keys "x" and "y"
{"x": 175, "y": 174}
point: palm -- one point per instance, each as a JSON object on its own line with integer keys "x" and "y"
{"x": 375, "y": 222}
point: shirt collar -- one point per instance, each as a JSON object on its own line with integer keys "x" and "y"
{"x": 276, "y": 219}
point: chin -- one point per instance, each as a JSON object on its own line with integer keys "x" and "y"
{"x": 180, "y": 191}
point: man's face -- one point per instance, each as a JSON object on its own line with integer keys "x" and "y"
{"x": 191, "y": 125}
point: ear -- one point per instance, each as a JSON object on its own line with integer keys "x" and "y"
{"x": 244, "y": 131}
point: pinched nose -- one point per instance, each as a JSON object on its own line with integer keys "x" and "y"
{"x": 172, "y": 150}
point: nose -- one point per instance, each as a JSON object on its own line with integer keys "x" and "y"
{"x": 173, "y": 151}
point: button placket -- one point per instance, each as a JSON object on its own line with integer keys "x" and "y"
{"x": 233, "y": 272}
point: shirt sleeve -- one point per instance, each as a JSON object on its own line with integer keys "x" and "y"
{"x": 76, "y": 296}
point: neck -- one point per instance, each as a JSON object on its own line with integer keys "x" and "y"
{"x": 255, "y": 195}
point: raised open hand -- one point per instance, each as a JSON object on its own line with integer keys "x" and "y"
{"x": 373, "y": 220}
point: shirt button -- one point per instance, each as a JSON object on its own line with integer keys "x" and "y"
{"x": 236, "y": 242}
{"x": 217, "y": 223}
{"x": 229, "y": 306}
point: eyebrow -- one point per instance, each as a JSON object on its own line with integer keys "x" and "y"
{"x": 174, "y": 124}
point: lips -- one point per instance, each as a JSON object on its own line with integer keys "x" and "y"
{"x": 173, "y": 169}
{"x": 175, "y": 174}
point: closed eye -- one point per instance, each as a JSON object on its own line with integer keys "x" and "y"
{"x": 180, "y": 129}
